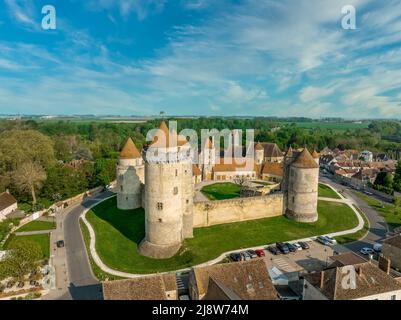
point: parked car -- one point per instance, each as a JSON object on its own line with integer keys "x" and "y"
{"x": 283, "y": 247}
{"x": 297, "y": 246}
{"x": 304, "y": 245}
{"x": 235, "y": 256}
{"x": 377, "y": 247}
{"x": 323, "y": 240}
{"x": 10, "y": 284}
{"x": 273, "y": 250}
{"x": 291, "y": 247}
{"x": 60, "y": 244}
{"x": 20, "y": 284}
{"x": 367, "y": 251}
{"x": 2, "y": 287}
{"x": 260, "y": 253}
{"x": 246, "y": 256}
{"x": 252, "y": 253}
{"x": 331, "y": 240}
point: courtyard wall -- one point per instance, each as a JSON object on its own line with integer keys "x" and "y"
{"x": 209, "y": 213}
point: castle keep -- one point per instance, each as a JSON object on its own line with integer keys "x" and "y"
{"x": 161, "y": 179}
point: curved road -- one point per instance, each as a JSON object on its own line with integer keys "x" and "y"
{"x": 82, "y": 283}
{"x": 378, "y": 226}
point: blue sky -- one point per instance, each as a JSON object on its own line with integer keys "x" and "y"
{"x": 201, "y": 57}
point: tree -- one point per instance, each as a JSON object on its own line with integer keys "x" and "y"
{"x": 384, "y": 179}
{"x": 21, "y": 260}
{"x": 397, "y": 204}
{"x": 397, "y": 178}
{"x": 29, "y": 177}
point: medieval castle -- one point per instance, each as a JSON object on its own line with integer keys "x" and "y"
{"x": 162, "y": 180}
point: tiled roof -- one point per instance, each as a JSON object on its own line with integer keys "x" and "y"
{"x": 394, "y": 241}
{"x": 346, "y": 259}
{"x": 305, "y": 160}
{"x": 235, "y": 166}
{"x": 370, "y": 280}
{"x": 129, "y": 150}
{"x": 248, "y": 280}
{"x": 6, "y": 200}
{"x": 272, "y": 150}
{"x": 259, "y": 146}
{"x": 273, "y": 168}
{"x": 144, "y": 288}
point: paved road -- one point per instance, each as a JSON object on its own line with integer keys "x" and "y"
{"x": 82, "y": 283}
{"x": 378, "y": 226}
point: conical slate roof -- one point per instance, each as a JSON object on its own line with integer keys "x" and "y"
{"x": 290, "y": 153}
{"x": 129, "y": 150}
{"x": 305, "y": 160}
{"x": 164, "y": 138}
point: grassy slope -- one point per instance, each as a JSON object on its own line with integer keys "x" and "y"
{"x": 42, "y": 239}
{"x": 327, "y": 192}
{"x": 221, "y": 191}
{"x": 386, "y": 210}
{"x": 119, "y": 232}
{"x": 37, "y": 226}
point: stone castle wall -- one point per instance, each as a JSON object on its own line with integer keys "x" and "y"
{"x": 235, "y": 210}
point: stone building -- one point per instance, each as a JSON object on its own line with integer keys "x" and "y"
{"x": 244, "y": 280}
{"x": 391, "y": 249}
{"x": 169, "y": 193}
{"x": 8, "y": 205}
{"x": 158, "y": 287}
{"x": 370, "y": 283}
{"x": 161, "y": 180}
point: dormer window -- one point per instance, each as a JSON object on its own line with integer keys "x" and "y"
{"x": 159, "y": 206}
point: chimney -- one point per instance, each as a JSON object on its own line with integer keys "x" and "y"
{"x": 321, "y": 279}
{"x": 384, "y": 264}
{"x": 7, "y": 190}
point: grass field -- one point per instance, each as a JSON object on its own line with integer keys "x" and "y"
{"x": 357, "y": 235}
{"x": 327, "y": 192}
{"x": 43, "y": 240}
{"x": 221, "y": 191}
{"x": 388, "y": 211}
{"x": 118, "y": 234}
{"x": 37, "y": 226}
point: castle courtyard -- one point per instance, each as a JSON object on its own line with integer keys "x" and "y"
{"x": 119, "y": 232}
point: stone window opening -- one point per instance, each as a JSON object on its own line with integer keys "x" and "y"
{"x": 159, "y": 206}
{"x": 160, "y": 220}
{"x": 121, "y": 188}
{"x": 176, "y": 172}
{"x": 175, "y": 191}
{"x": 187, "y": 201}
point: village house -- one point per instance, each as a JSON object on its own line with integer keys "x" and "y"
{"x": 8, "y": 205}
{"x": 158, "y": 287}
{"x": 391, "y": 249}
{"x": 336, "y": 283}
{"x": 245, "y": 280}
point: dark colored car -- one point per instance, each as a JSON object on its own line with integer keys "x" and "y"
{"x": 260, "y": 253}
{"x": 304, "y": 245}
{"x": 273, "y": 250}
{"x": 283, "y": 247}
{"x": 10, "y": 284}
{"x": 252, "y": 253}
{"x": 60, "y": 244}
{"x": 21, "y": 284}
{"x": 235, "y": 256}
{"x": 291, "y": 247}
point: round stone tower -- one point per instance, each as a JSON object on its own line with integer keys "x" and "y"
{"x": 259, "y": 153}
{"x": 128, "y": 181}
{"x": 302, "y": 194}
{"x": 168, "y": 195}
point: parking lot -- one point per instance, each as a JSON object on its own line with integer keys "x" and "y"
{"x": 315, "y": 258}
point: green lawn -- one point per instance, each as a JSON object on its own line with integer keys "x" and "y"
{"x": 221, "y": 191}
{"x": 118, "y": 234}
{"x": 327, "y": 192}
{"x": 386, "y": 210}
{"x": 42, "y": 239}
{"x": 37, "y": 225}
{"x": 357, "y": 235}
